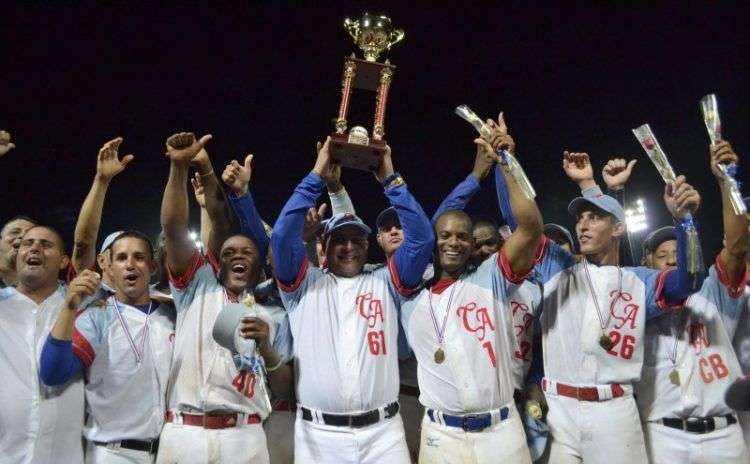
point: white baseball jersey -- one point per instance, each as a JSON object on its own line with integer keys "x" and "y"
{"x": 479, "y": 341}
{"x": 571, "y": 327}
{"x": 694, "y": 341}
{"x": 525, "y": 304}
{"x": 125, "y": 397}
{"x": 345, "y": 338}
{"x": 38, "y": 423}
{"x": 204, "y": 376}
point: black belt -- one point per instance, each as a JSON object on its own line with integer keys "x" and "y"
{"x": 150, "y": 446}
{"x": 356, "y": 421}
{"x": 702, "y": 425}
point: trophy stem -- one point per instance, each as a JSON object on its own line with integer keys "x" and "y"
{"x": 350, "y": 70}
{"x": 386, "y": 75}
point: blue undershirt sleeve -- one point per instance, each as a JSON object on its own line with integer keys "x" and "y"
{"x": 58, "y": 364}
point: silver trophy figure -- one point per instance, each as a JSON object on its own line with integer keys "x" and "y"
{"x": 505, "y": 157}
{"x": 710, "y": 110}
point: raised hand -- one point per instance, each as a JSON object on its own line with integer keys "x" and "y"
{"x": 333, "y": 180}
{"x": 484, "y": 159}
{"x": 183, "y": 147}
{"x": 5, "y": 145}
{"x": 198, "y": 190}
{"x": 324, "y": 164}
{"x": 83, "y": 286}
{"x": 617, "y": 172}
{"x": 578, "y": 168}
{"x": 108, "y": 163}
{"x": 313, "y": 218}
{"x": 257, "y": 329}
{"x": 386, "y": 166}
{"x": 681, "y": 198}
{"x": 237, "y": 176}
{"x": 721, "y": 153}
{"x": 499, "y": 137}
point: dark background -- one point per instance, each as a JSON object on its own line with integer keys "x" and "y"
{"x": 265, "y": 77}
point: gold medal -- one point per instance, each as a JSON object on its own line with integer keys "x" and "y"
{"x": 605, "y": 342}
{"x": 439, "y": 355}
{"x": 674, "y": 377}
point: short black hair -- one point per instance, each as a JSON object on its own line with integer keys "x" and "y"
{"x": 19, "y": 217}
{"x": 62, "y": 245}
{"x": 458, "y": 214}
{"x": 134, "y": 234}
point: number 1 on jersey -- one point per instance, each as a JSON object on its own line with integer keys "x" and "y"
{"x": 490, "y": 351}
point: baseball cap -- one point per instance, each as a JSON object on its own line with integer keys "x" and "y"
{"x": 657, "y": 237}
{"x": 388, "y": 214}
{"x": 552, "y": 230}
{"x": 109, "y": 240}
{"x": 604, "y": 202}
{"x": 341, "y": 220}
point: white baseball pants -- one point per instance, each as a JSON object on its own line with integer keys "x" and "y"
{"x": 382, "y": 442}
{"x": 504, "y": 442}
{"x": 98, "y": 454}
{"x": 279, "y": 429}
{"x": 190, "y": 444}
{"x": 667, "y": 445}
{"x": 595, "y": 432}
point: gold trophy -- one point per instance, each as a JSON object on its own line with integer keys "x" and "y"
{"x": 355, "y": 148}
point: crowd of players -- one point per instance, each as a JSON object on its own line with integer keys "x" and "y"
{"x": 470, "y": 344}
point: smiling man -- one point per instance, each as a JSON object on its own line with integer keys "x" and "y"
{"x": 124, "y": 344}
{"x": 39, "y": 424}
{"x": 594, "y": 319}
{"x": 689, "y": 360}
{"x": 344, "y": 323}
{"x": 216, "y": 403}
{"x": 461, "y": 330}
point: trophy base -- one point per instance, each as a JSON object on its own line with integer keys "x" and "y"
{"x": 351, "y": 155}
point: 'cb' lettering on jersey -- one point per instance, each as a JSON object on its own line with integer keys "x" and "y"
{"x": 624, "y": 312}
{"x": 370, "y": 308}
{"x": 476, "y": 320}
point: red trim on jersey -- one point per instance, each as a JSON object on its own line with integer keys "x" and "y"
{"x": 182, "y": 281}
{"x": 82, "y": 348}
{"x": 735, "y": 291}
{"x": 297, "y": 281}
{"x": 661, "y": 298}
{"x": 400, "y": 287}
{"x": 541, "y": 249}
{"x": 441, "y": 285}
{"x": 502, "y": 261}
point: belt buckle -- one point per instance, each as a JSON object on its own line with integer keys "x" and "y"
{"x": 472, "y": 422}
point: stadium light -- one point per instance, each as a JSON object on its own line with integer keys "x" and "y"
{"x": 635, "y": 217}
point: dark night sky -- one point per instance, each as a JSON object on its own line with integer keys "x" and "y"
{"x": 264, "y": 77}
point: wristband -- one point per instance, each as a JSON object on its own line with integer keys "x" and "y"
{"x": 273, "y": 368}
{"x": 393, "y": 180}
{"x": 206, "y": 174}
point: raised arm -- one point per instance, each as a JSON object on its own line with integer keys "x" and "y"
{"x": 216, "y": 203}
{"x": 681, "y": 198}
{"x": 237, "y": 176}
{"x": 521, "y": 247}
{"x": 108, "y": 165}
{"x": 340, "y": 200}
{"x": 616, "y": 173}
{"x": 735, "y": 250}
{"x": 286, "y": 239}
{"x": 200, "y": 198}
{"x": 181, "y": 149}
{"x": 467, "y": 188}
{"x": 410, "y": 260}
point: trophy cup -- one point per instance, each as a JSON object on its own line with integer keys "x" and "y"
{"x": 710, "y": 110}
{"x": 355, "y": 148}
{"x": 651, "y": 146}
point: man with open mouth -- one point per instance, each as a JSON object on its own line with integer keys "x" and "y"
{"x": 39, "y": 423}
{"x": 216, "y": 403}
{"x": 124, "y": 345}
{"x": 344, "y": 323}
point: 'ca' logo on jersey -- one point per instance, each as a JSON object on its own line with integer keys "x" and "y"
{"x": 476, "y": 320}
{"x": 627, "y": 313}
{"x": 370, "y": 308}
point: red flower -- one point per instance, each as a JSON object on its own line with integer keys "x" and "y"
{"x": 649, "y": 142}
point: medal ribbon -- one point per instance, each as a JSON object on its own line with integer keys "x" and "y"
{"x": 440, "y": 331}
{"x": 592, "y": 291}
{"x": 126, "y": 329}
